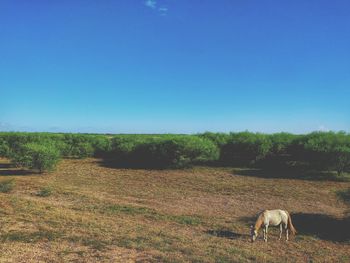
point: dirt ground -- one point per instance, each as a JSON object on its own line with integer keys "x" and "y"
{"x": 86, "y": 212}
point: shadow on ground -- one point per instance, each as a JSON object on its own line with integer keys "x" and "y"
{"x": 9, "y": 172}
{"x": 225, "y": 234}
{"x": 8, "y": 169}
{"x": 110, "y": 163}
{"x": 323, "y": 226}
{"x": 144, "y": 165}
{"x": 5, "y": 165}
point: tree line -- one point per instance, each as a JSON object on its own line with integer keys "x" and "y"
{"x": 323, "y": 151}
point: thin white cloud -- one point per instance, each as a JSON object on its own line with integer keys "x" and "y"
{"x": 151, "y": 4}
{"x": 163, "y": 10}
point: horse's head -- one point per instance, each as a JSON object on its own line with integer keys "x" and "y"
{"x": 253, "y": 233}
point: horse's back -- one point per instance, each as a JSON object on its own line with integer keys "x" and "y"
{"x": 275, "y": 217}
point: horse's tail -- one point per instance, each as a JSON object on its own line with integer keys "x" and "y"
{"x": 290, "y": 225}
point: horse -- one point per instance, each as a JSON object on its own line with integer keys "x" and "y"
{"x": 273, "y": 218}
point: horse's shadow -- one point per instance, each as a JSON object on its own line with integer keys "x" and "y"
{"x": 225, "y": 234}
{"x": 323, "y": 226}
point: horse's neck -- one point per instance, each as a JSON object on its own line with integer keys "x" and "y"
{"x": 259, "y": 222}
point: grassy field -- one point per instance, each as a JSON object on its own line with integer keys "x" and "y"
{"x": 87, "y": 212}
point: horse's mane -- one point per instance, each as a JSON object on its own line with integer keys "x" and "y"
{"x": 259, "y": 221}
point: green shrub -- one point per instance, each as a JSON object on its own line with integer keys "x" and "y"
{"x": 328, "y": 150}
{"x": 101, "y": 145}
{"x": 41, "y": 157}
{"x": 200, "y": 150}
{"x": 175, "y": 153}
{"x": 4, "y": 148}
{"x": 123, "y": 146}
{"x": 219, "y": 138}
{"x": 245, "y": 148}
{"x": 163, "y": 151}
{"x": 7, "y": 186}
{"x": 281, "y": 142}
{"x": 82, "y": 150}
{"x": 158, "y": 154}
{"x": 76, "y": 145}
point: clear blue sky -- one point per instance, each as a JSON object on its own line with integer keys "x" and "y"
{"x": 178, "y": 66}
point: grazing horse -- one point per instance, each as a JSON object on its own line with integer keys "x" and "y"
{"x": 273, "y": 218}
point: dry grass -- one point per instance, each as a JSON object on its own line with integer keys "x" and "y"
{"x": 98, "y": 214}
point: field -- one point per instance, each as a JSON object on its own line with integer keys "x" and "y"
{"x": 86, "y": 211}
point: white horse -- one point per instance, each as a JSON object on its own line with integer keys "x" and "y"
{"x": 272, "y": 218}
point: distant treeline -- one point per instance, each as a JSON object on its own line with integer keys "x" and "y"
{"x": 318, "y": 150}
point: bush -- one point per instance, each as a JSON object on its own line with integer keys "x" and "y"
{"x": 7, "y": 186}
{"x": 328, "y": 150}
{"x": 123, "y": 146}
{"x": 4, "y": 148}
{"x": 77, "y": 145}
{"x": 219, "y": 138}
{"x": 41, "y": 157}
{"x": 82, "y": 150}
{"x": 101, "y": 145}
{"x": 245, "y": 148}
{"x": 167, "y": 151}
{"x": 281, "y": 142}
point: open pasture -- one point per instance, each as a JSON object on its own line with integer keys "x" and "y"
{"x": 86, "y": 211}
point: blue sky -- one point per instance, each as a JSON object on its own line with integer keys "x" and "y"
{"x": 174, "y": 66}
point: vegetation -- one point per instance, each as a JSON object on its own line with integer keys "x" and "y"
{"x": 41, "y": 157}
{"x": 167, "y": 152}
{"x": 6, "y": 186}
{"x": 4, "y": 148}
{"x": 345, "y": 195}
{"x": 328, "y": 150}
{"x": 44, "y": 191}
{"x": 245, "y": 148}
{"x": 318, "y": 151}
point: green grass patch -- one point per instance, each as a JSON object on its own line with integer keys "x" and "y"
{"x": 45, "y": 191}
{"x": 7, "y": 186}
{"x": 130, "y": 210}
{"x": 95, "y": 243}
{"x": 153, "y": 214}
{"x": 186, "y": 220}
{"x": 30, "y": 237}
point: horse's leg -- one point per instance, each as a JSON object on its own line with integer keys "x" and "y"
{"x": 281, "y": 228}
{"x": 266, "y": 227}
{"x": 264, "y": 233}
{"x": 287, "y": 234}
